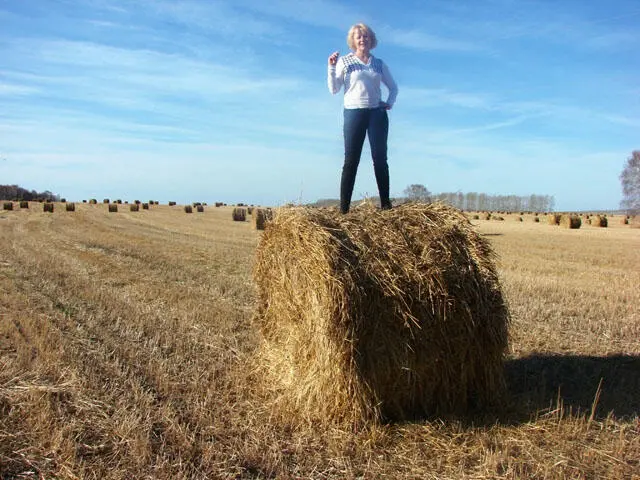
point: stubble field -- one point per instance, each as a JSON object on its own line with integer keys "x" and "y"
{"x": 127, "y": 339}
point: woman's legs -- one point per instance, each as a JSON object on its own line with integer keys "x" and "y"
{"x": 356, "y": 123}
{"x": 378, "y": 130}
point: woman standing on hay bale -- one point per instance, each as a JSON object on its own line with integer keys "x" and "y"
{"x": 360, "y": 73}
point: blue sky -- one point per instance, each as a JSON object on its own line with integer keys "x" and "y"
{"x": 227, "y": 100}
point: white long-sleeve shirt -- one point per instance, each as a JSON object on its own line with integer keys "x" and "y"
{"x": 361, "y": 81}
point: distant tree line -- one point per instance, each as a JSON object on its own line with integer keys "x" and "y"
{"x": 474, "y": 201}
{"x": 16, "y": 193}
{"x": 630, "y": 179}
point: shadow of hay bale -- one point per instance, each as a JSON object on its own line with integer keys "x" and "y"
{"x": 378, "y": 315}
{"x": 535, "y": 383}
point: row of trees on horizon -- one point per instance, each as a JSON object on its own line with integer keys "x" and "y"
{"x": 16, "y": 193}
{"x": 474, "y": 201}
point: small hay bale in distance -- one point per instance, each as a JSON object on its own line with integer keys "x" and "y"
{"x": 47, "y": 207}
{"x": 106, "y": 200}
{"x": 70, "y": 207}
{"x": 239, "y": 214}
{"x": 24, "y": 204}
{"x": 145, "y": 206}
{"x": 113, "y": 208}
{"x": 219, "y": 204}
{"x": 134, "y": 207}
{"x": 200, "y": 208}
{"x": 536, "y": 219}
{"x": 171, "y": 204}
{"x": 570, "y": 221}
{"x": 624, "y": 220}
{"x": 378, "y": 315}
{"x": 554, "y": 218}
{"x": 188, "y": 209}
{"x": 7, "y": 206}
{"x": 93, "y": 201}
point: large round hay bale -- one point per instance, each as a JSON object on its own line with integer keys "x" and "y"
{"x": 47, "y": 207}
{"x": 239, "y": 214}
{"x": 554, "y": 218}
{"x": 570, "y": 221}
{"x": 24, "y": 204}
{"x": 113, "y": 208}
{"x": 261, "y": 216}
{"x": 188, "y": 209}
{"x": 7, "y": 206}
{"x": 378, "y": 314}
{"x": 599, "y": 221}
{"x": 70, "y": 207}
{"x": 134, "y": 207}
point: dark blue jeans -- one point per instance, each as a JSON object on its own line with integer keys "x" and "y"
{"x": 358, "y": 123}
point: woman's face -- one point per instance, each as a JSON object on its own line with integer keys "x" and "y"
{"x": 361, "y": 39}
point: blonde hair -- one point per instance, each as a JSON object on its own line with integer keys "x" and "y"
{"x": 373, "y": 41}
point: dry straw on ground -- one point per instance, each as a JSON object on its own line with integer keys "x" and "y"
{"x": 570, "y": 221}
{"x": 378, "y": 314}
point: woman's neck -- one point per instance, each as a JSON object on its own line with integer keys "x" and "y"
{"x": 363, "y": 55}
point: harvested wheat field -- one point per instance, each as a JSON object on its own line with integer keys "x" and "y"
{"x": 129, "y": 342}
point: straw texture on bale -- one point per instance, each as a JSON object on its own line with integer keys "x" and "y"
{"x": 239, "y": 214}
{"x": 570, "y": 221}
{"x": 378, "y": 314}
